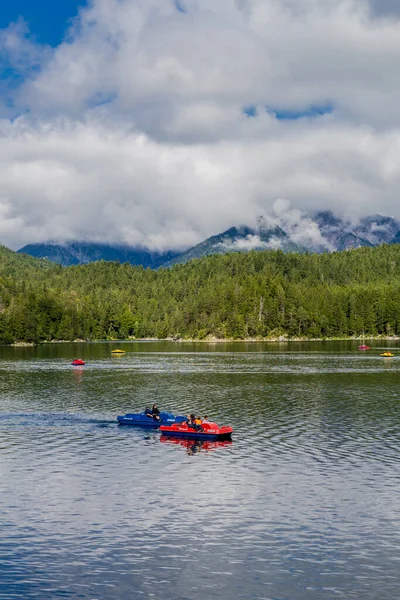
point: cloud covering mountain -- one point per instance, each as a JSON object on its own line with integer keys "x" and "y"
{"x": 157, "y": 123}
{"x": 286, "y": 229}
{"x": 292, "y": 231}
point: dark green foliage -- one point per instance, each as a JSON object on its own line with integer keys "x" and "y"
{"x": 239, "y": 295}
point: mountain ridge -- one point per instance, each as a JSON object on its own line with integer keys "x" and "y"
{"x": 320, "y": 232}
{"x": 76, "y": 253}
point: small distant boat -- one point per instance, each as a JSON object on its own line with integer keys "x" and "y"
{"x": 77, "y": 361}
{"x": 117, "y": 351}
{"x": 387, "y": 354}
{"x": 363, "y": 347}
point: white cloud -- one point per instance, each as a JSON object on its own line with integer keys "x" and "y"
{"x": 250, "y": 242}
{"x": 155, "y": 61}
{"x": 301, "y": 229}
{"x": 18, "y": 47}
{"x": 133, "y": 129}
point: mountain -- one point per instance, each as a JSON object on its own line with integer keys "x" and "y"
{"x": 76, "y": 253}
{"x": 378, "y": 230}
{"x": 238, "y": 239}
{"x": 370, "y": 231}
{"x": 319, "y": 232}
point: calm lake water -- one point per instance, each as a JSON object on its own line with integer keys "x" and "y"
{"x": 302, "y": 505}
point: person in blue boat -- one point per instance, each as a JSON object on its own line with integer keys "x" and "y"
{"x": 155, "y": 413}
{"x": 148, "y": 412}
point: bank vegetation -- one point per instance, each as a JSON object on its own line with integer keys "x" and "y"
{"x": 257, "y": 295}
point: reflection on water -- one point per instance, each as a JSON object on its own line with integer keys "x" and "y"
{"x": 194, "y": 446}
{"x": 302, "y": 504}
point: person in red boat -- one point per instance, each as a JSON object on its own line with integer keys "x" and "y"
{"x": 193, "y": 422}
{"x": 196, "y": 423}
{"x": 190, "y": 421}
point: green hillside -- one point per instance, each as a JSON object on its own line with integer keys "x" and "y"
{"x": 239, "y": 295}
{"x": 19, "y": 265}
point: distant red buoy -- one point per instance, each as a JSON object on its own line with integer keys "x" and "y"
{"x": 77, "y": 361}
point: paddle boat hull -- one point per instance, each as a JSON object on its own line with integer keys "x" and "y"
{"x": 142, "y": 420}
{"x": 211, "y": 432}
{"x": 77, "y": 362}
{"x": 363, "y": 347}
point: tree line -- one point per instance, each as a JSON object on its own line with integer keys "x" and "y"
{"x": 235, "y": 296}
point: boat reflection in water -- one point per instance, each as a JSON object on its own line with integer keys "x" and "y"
{"x": 194, "y": 446}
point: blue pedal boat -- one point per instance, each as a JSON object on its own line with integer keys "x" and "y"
{"x": 142, "y": 420}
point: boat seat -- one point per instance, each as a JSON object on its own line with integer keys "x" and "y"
{"x": 207, "y": 426}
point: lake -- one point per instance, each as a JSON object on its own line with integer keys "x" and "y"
{"x": 302, "y": 505}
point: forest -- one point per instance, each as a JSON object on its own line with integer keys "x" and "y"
{"x": 256, "y": 295}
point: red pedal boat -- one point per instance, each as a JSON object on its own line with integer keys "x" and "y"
{"x": 77, "y": 362}
{"x": 211, "y": 431}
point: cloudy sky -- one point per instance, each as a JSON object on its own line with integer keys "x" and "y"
{"x": 161, "y": 122}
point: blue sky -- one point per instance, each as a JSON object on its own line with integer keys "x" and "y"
{"x": 47, "y": 19}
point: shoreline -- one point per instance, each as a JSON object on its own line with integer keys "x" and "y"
{"x": 212, "y": 340}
